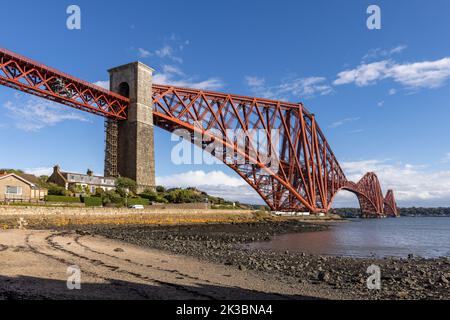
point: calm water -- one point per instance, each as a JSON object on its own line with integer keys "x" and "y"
{"x": 426, "y": 237}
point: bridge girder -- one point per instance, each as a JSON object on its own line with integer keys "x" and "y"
{"x": 26, "y": 75}
{"x": 295, "y": 171}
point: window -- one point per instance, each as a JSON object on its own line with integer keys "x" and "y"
{"x": 14, "y": 190}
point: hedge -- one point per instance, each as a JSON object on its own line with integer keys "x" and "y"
{"x": 66, "y": 199}
{"x": 93, "y": 201}
{"x": 134, "y": 201}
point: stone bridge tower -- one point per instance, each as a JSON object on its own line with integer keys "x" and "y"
{"x": 129, "y": 143}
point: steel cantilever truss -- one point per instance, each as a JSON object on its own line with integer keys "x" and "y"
{"x": 293, "y": 170}
{"x": 307, "y": 175}
{"x": 390, "y": 206}
{"x": 31, "y": 77}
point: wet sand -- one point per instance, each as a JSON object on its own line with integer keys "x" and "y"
{"x": 33, "y": 265}
{"x": 198, "y": 261}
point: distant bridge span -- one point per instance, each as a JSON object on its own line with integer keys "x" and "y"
{"x": 302, "y": 174}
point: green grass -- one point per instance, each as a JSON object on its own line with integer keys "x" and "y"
{"x": 64, "y": 199}
{"x": 93, "y": 201}
{"x": 142, "y": 201}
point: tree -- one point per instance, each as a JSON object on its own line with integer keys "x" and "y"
{"x": 55, "y": 190}
{"x": 160, "y": 189}
{"x": 42, "y": 181}
{"x": 111, "y": 197}
{"x": 123, "y": 184}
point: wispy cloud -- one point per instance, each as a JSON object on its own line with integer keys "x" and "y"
{"x": 34, "y": 114}
{"x": 364, "y": 74}
{"x": 103, "y": 84}
{"x": 392, "y": 92}
{"x": 425, "y": 74}
{"x": 40, "y": 171}
{"x": 446, "y": 158}
{"x": 413, "y": 184}
{"x": 216, "y": 183}
{"x": 383, "y": 53}
{"x": 172, "y": 75}
{"x": 341, "y": 122}
{"x": 291, "y": 87}
{"x": 170, "y": 50}
{"x": 200, "y": 177}
{"x": 142, "y": 53}
{"x": 165, "y": 51}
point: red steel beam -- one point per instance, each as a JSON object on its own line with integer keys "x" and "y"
{"x": 307, "y": 175}
{"x": 32, "y": 77}
{"x": 390, "y": 206}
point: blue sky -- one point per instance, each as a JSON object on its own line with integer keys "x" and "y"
{"x": 381, "y": 96}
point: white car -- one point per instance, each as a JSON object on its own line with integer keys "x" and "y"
{"x": 137, "y": 207}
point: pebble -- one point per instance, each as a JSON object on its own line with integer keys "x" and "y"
{"x": 411, "y": 278}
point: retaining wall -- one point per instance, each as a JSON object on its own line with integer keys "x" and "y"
{"x": 35, "y": 210}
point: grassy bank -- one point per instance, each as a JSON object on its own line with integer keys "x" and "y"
{"x": 144, "y": 219}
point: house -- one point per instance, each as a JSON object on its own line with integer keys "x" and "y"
{"x": 78, "y": 182}
{"x": 17, "y": 188}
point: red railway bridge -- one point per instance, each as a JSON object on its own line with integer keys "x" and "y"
{"x": 306, "y": 177}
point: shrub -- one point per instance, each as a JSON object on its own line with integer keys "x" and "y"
{"x": 134, "y": 201}
{"x": 150, "y": 195}
{"x": 184, "y": 196}
{"x": 65, "y": 199}
{"x": 112, "y": 198}
{"x": 123, "y": 183}
{"x": 55, "y": 190}
{"x": 160, "y": 189}
{"x": 99, "y": 192}
{"x": 93, "y": 201}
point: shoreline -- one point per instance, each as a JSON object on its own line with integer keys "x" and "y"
{"x": 222, "y": 243}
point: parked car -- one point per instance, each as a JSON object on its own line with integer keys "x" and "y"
{"x": 137, "y": 207}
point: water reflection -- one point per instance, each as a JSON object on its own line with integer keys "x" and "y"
{"x": 425, "y": 237}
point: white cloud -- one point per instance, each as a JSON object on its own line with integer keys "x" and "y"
{"x": 102, "y": 84}
{"x": 171, "y": 48}
{"x": 255, "y": 82}
{"x": 144, "y": 53}
{"x": 290, "y": 87}
{"x": 172, "y": 70}
{"x": 383, "y": 53}
{"x": 200, "y": 178}
{"x": 446, "y": 158}
{"x": 343, "y": 121}
{"x": 397, "y": 49}
{"x": 392, "y": 92}
{"x": 215, "y": 183}
{"x": 380, "y": 104}
{"x": 40, "y": 171}
{"x": 165, "y": 51}
{"x": 425, "y": 74}
{"x": 363, "y": 75}
{"x": 168, "y": 52}
{"x": 34, "y": 114}
{"x": 173, "y": 75}
{"x": 413, "y": 184}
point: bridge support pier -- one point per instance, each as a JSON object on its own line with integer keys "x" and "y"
{"x": 131, "y": 155}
